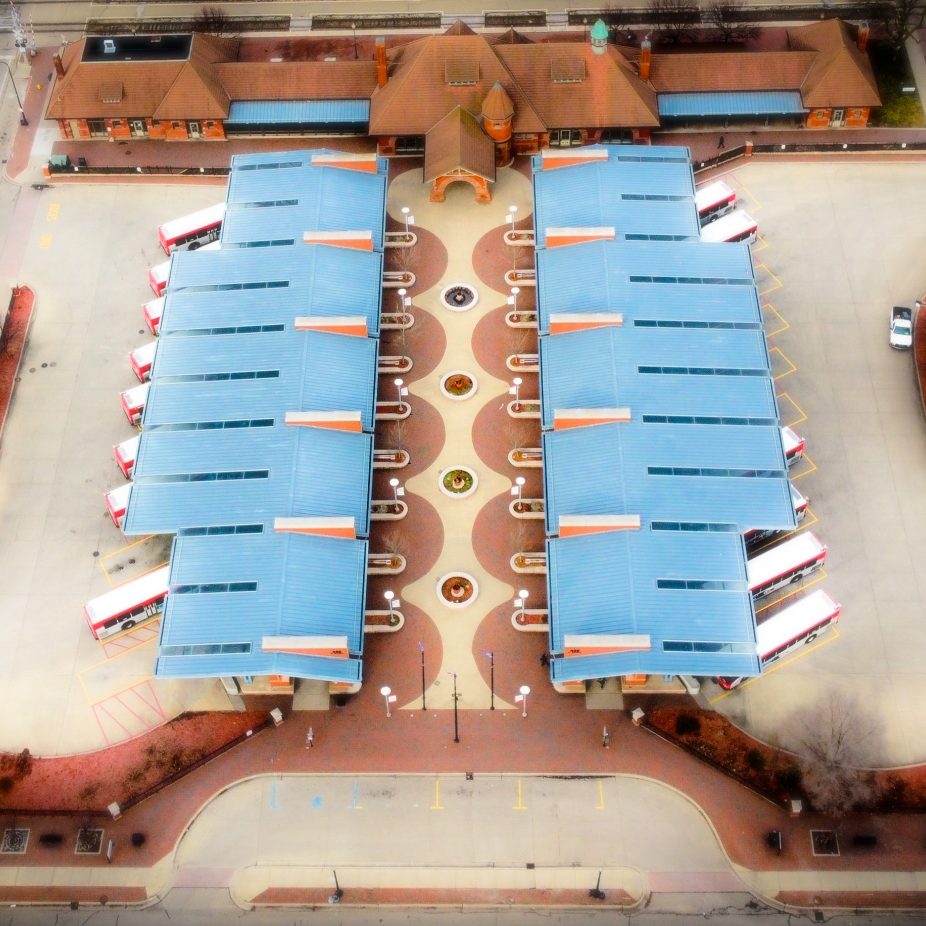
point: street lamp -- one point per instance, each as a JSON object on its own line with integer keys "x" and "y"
{"x": 388, "y": 697}
{"x": 353, "y": 29}
{"x": 491, "y": 656}
{"x": 522, "y": 594}
{"x": 456, "y": 721}
{"x": 522, "y": 697}
{"x": 514, "y": 296}
{"x": 401, "y": 390}
{"x": 515, "y": 390}
{"x": 409, "y": 220}
{"x": 397, "y": 492}
{"x": 22, "y": 115}
{"x": 516, "y": 489}
{"x": 390, "y": 598}
{"x": 404, "y": 300}
{"x": 424, "y": 705}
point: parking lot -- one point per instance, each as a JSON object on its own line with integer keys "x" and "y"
{"x": 841, "y": 244}
{"x": 87, "y": 251}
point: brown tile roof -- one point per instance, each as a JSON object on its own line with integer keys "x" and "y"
{"x": 509, "y": 37}
{"x": 825, "y": 35}
{"x": 841, "y": 78}
{"x": 145, "y": 84}
{"x": 457, "y": 143}
{"x": 610, "y": 94}
{"x": 497, "y": 105}
{"x": 298, "y": 80}
{"x": 417, "y": 96}
{"x": 195, "y": 94}
{"x": 730, "y": 71}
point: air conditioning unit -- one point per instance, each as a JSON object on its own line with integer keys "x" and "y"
{"x": 109, "y": 47}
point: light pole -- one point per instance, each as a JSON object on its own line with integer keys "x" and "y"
{"x": 424, "y": 705}
{"x": 515, "y": 390}
{"x": 456, "y": 720}
{"x": 389, "y": 596}
{"x": 514, "y": 296}
{"x": 522, "y": 597}
{"x": 516, "y": 489}
{"x": 491, "y": 656}
{"x": 401, "y": 390}
{"x": 338, "y": 893}
{"x": 404, "y": 301}
{"x": 409, "y": 220}
{"x": 22, "y": 114}
{"x": 525, "y": 691}
{"x": 353, "y": 29}
{"x": 397, "y": 492}
{"x": 388, "y": 696}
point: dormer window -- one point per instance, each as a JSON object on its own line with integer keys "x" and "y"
{"x": 461, "y": 72}
{"x": 567, "y": 71}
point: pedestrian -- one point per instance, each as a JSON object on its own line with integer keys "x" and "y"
{"x": 605, "y": 738}
{"x": 310, "y": 739}
{"x": 544, "y": 660}
{"x": 721, "y": 143}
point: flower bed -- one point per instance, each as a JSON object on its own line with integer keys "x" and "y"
{"x": 458, "y": 481}
{"x": 457, "y": 384}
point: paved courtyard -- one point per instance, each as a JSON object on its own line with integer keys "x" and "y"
{"x": 843, "y": 243}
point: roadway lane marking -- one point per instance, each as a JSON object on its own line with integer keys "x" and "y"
{"x": 437, "y": 804}
{"x": 53, "y": 210}
{"x": 520, "y": 804}
{"x": 45, "y": 242}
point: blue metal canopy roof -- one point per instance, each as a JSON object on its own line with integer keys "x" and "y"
{"x": 607, "y": 584}
{"x": 283, "y": 194}
{"x": 668, "y": 472}
{"x": 731, "y": 103}
{"x": 298, "y": 112}
{"x": 598, "y": 368}
{"x": 306, "y": 586}
{"x": 267, "y": 285}
{"x": 638, "y": 195}
{"x": 317, "y": 371}
{"x": 244, "y": 476}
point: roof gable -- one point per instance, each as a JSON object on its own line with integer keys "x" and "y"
{"x": 841, "y": 78}
{"x": 457, "y": 143}
{"x": 195, "y": 94}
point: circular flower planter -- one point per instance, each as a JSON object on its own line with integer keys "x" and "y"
{"x": 458, "y": 481}
{"x": 459, "y": 297}
{"x": 458, "y": 385}
{"x": 457, "y": 589}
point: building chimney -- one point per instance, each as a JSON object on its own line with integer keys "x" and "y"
{"x": 646, "y": 55}
{"x": 59, "y": 65}
{"x": 862, "y": 38}
{"x": 382, "y": 71}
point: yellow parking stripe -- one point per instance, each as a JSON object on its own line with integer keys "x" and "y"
{"x": 802, "y": 415}
{"x": 53, "y": 210}
{"x": 437, "y": 804}
{"x": 783, "y": 325}
{"x": 791, "y": 367}
{"x": 520, "y": 804}
{"x": 810, "y": 467}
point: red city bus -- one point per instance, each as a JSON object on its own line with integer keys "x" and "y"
{"x": 793, "y": 446}
{"x": 790, "y": 629}
{"x": 117, "y": 500}
{"x": 152, "y": 312}
{"x": 756, "y": 536}
{"x": 160, "y": 273}
{"x": 714, "y": 200}
{"x": 125, "y": 453}
{"x": 133, "y": 402}
{"x": 788, "y": 562}
{"x": 735, "y": 226}
{"x": 141, "y": 359}
{"x": 192, "y": 231}
{"x": 129, "y": 604}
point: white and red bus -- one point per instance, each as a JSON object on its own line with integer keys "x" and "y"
{"x": 127, "y": 605}
{"x": 735, "y": 226}
{"x": 152, "y": 311}
{"x": 160, "y": 273}
{"x": 117, "y": 500}
{"x": 793, "y": 445}
{"x": 791, "y": 628}
{"x": 193, "y": 230}
{"x": 758, "y": 535}
{"x": 141, "y": 359}
{"x": 125, "y": 454}
{"x": 785, "y": 563}
{"x": 133, "y": 402}
{"x": 714, "y": 200}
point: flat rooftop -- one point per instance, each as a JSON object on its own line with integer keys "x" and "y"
{"x": 137, "y": 48}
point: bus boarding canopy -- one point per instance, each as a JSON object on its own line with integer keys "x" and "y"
{"x": 643, "y": 195}
{"x": 272, "y": 285}
{"x": 655, "y": 602}
{"x": 645, "y": 279}
{"x": 289, "y": 117}
{"x": 237, "y": 377}
{"x": 731, "y": 103}
{"x": 283, "y": 194}
{"x": 693, "y": 474}
{"x": 264, "y": 604}
{"x": 249, "y": 476}
{"x": 601, "y": 368}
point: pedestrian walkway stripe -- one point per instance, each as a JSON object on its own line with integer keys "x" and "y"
{"x": 273, "y": 795}
{"x": 520, "y": 804}
{"x": 355, "y": 798}
{"x": 437, "y": 804}
{"x": 600, "y": 795}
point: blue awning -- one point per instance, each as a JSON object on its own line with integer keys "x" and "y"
{"x": 298, "y": 112}
{"x": 745, "y": 103}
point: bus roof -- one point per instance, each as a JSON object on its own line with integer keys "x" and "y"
{"x": 792, "y": 621}
{"x": 128, "y": 595}
{"x": 728, "y": 226}
{"x": 712, "y": 193}
{"x": 764, "y": 567}
{"x": 195, "y": 221}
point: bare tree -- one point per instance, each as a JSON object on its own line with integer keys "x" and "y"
{"x": 214, "y": 20}
{"x": 835, "y": 739}
{"x": 899, "y": 20}
{"x": 675, "y": 19}
{"x": 725, "y": 20}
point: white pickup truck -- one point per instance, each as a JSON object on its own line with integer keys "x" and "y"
{"x": 901, "y": 327}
